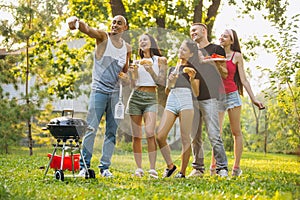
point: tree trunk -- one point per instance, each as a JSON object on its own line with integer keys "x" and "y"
{"x": 211, "y": 16}
{"x": 198, "y": 12}
{"x": 6, "y": 148}
{"x": 117, "y": 7}
{"x": 161, "y": 95}
{"x": 30, "y": 142}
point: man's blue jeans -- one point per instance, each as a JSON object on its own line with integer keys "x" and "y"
{"x": 210, "y": 114}
{"x": 99, "y": 104}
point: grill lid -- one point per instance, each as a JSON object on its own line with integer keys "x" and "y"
{"x": 67, "y": 121}
{"x": 66, "y": 127}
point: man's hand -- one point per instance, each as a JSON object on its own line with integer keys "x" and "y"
{"x": 73, "y": 22}
{"x": 124, "y": 78}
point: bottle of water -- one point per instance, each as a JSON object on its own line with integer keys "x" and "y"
{"x": 134, "y": 64}
{"x": 175, "y": 73}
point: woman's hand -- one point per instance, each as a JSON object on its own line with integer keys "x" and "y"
{"x": 259, "y": 104}
{"x": 148, "y": 68}
{"x": 133, "y": 71}
{"x": 173, "y": 77}
{"x": 192, "y": 73}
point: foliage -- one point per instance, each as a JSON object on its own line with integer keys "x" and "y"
{"x": 11, "y": 126}
{"x": 274, "y": 9}
{"x": 61, "y": 71}
{"x": 265, "y": 177}
{"x": 54, "y": 68}
{"x": 284, "y": 112}
{"x": 283, "y": 129}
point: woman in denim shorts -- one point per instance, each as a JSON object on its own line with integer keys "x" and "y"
{"x": 142, "y": 105}
{"x": 233, "y": 85}
{"x": 181, "y": 85}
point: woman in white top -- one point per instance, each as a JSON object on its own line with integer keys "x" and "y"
{"x": 142, "y": 104}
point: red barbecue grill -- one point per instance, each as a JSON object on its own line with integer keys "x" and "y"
{"x": 69, "y": 131}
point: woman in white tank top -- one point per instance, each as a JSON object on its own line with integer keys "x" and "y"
{"x": 142, "y": 103}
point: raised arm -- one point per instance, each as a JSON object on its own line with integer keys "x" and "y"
{"x": 99, "y": 35}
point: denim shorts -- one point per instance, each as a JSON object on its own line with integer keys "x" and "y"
{"x": 179, "y": 99}
{"x": 229, "y": 101}
{"x": 140, "y": 102}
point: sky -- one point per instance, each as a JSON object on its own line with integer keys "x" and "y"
{"x": 245, "y": 28}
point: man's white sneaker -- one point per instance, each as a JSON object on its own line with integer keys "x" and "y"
{"x": 139, "y": 172}
{"x": 222, "y": 173}
{"x": 153, "y": 173}
{"x": 106, "y": 173}
{"x": 82, "y": 172}
{"x": 196, "y": 173}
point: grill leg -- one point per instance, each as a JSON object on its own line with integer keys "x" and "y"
{"x": 72, "y": 158}
{"x": 85, "y": 166}
{"x": 63, "y": 155}
{"x": 55, "y": 148}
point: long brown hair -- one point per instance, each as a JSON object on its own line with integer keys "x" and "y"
{"x": 235, "y": 46}
{"x": 154, "y": 49}
{"x": 192, "y": 46}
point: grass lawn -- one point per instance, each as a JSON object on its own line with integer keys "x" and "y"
{"x": 264, "y": 177}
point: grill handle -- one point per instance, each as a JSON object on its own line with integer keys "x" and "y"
{"x": 67, "y": 111}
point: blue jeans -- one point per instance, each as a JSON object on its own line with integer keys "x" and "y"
{"x": 209, "y": 113}
{"x": 99, "y": 104}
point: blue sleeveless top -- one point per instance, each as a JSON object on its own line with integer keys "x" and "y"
{"x": 107, "y": 68}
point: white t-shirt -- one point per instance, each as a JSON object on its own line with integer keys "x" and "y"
{"x": 144, "y": 78}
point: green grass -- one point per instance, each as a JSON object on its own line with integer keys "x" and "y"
{"x": 265, "y": 177}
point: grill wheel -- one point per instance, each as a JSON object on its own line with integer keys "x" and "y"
{"x": 59, "y": 175}
{"x": 91, "y": 173}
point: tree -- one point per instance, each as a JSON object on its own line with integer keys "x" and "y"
{"x": 29, "y": 33}
{"x": 284, "y": 76}
{"x": 60, "y": 71}
{"x": 11, "y": 125}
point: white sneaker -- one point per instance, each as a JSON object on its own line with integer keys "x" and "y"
{"x": 106, "y": 173}
{"x": 153, "y": 173}
{"x": 82, "y": 173}
{"x": 222, "y": 173}
{"x": 237, "y": 172}
{"x": 196, "y": 173}
{"x": 139, "y": 172}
